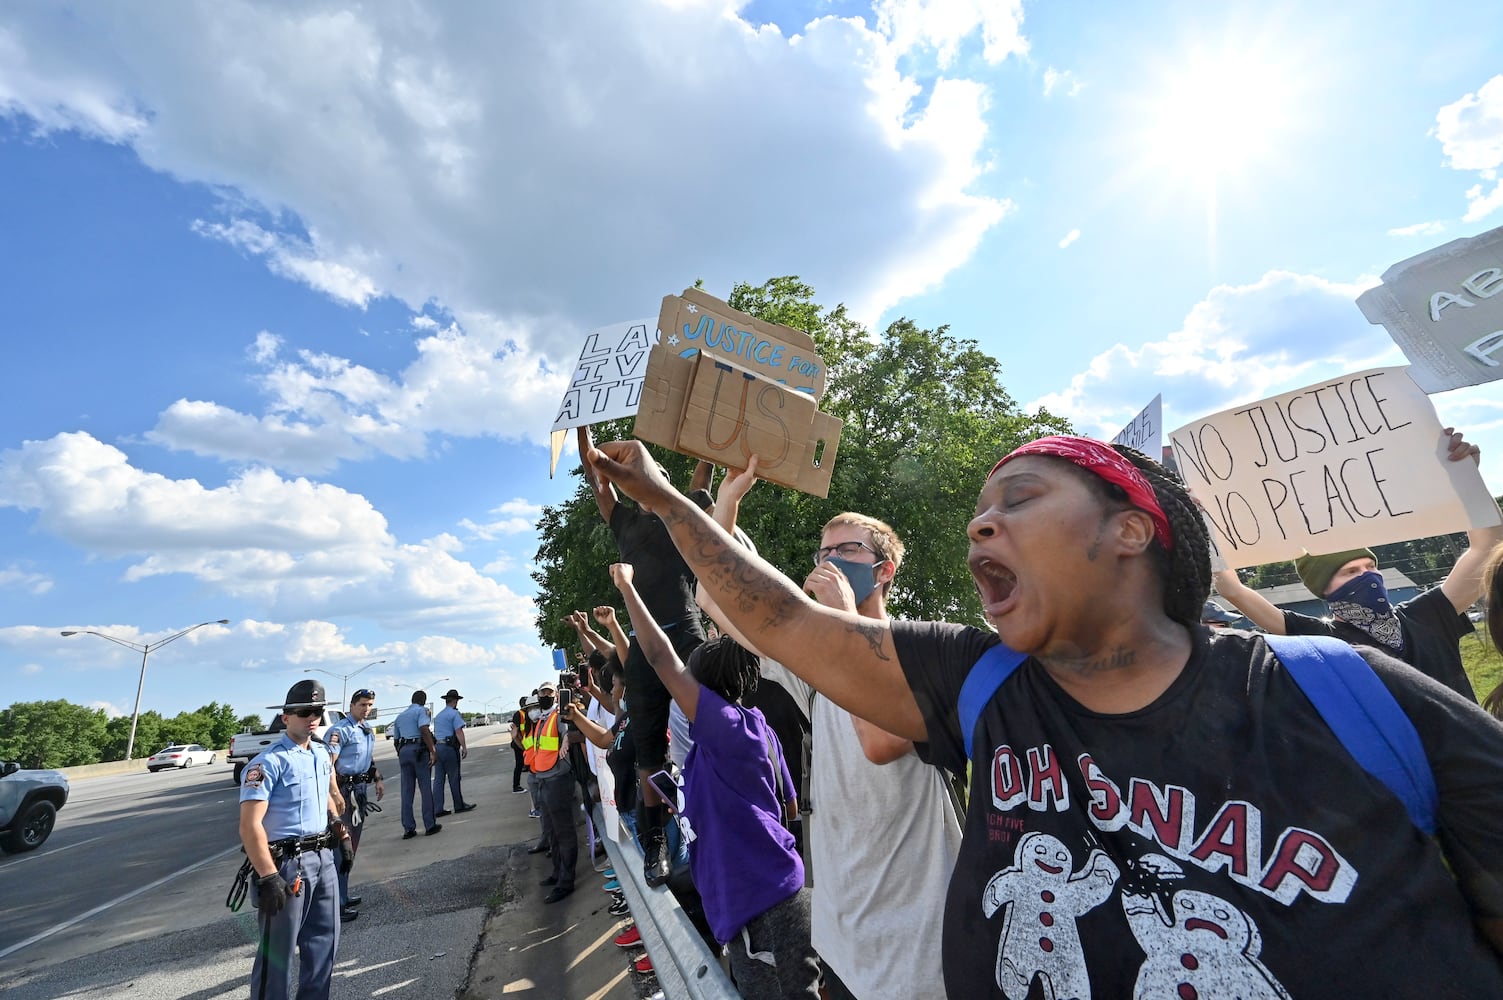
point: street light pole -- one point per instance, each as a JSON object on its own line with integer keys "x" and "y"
{"x": 145, "y": 649}
{"x": 344, "y": 679}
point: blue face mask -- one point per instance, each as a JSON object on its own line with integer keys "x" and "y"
{"x": 862, "y": 576}
{"x": 1363, "y": 601}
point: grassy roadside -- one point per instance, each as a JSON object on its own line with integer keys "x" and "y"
{"x": 1484, "y": 665}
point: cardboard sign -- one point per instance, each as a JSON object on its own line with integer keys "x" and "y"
{"x": 1351, "y": 462}
{"x": 715, "y": 409}
{"x": 1146, "y": 431}
{"x": 695, "y": 322}
{"x": 607, "y": 380}
{"x": 1444, "y": 308}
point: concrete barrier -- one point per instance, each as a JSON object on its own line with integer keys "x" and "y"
{"x": 83, "y": 772}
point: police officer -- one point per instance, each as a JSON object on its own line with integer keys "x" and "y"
{"x": 290, "y": 829}
{"x": 352, "y": 744}
{"x": 413, "y": 735}
{"x": 448, "y": 735}
{"x": 555, "y": 782}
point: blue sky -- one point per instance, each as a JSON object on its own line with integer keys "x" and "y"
{"x": 292, "y": 291}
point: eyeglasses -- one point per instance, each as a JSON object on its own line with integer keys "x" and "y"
{"x": 844, "y": 550}
{"x": 363, "y": 693}
{"x": 305, "y": 713}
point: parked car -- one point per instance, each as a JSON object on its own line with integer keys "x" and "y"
{"x": 244, "y": 746}
{"x": 29, "y": 801}
{"x": 180, "y": 755}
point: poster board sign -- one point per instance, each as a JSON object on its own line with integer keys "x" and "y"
{"x": 1444, "y": 308}
{"x": 1350, "y": 462}
{"x": 694, "y": 322}
{"x": 1145, "y": 432}
{"x": 607, "y": 782}
{"x": 607, "y": 380}
{"x": 712, "y": 408}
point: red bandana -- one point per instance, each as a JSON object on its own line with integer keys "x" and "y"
{"x": 1101, "y": 460}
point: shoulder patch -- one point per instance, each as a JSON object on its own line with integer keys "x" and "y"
{"x": 332, "y": 738}
{"x": 253, "y": 776}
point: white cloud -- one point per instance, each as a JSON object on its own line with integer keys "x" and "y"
{"x": 110, "y": 710}
{"x": 1070, "y": 237}
{"x": 1062, "y": 80}
{"x": 1470, "y": 131}
{"x": 32, "y": 583}
{"x": 1419, "y": 229}
{"x": 547, "y": 166}
{"x": 292, "y": 547}
{"x": 515, "y": 517}
{"x": 943, "y": 25}
{"x": 1240, "y": 343}
{"x": 31, "y": 669}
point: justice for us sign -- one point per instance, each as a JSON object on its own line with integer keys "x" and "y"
{"x": 1350, "y": 462}
{"x": 1444, "y": 308}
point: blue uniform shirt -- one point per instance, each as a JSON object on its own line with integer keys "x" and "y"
{"x": 447, "y": 723}
{"x": 409, "y": 725}
{"x": 352, "y": 745}
{"x": 294, "y": 784}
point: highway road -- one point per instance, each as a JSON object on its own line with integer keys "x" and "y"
{"x": 129, "y": 892}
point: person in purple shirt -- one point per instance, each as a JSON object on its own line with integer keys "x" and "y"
{"x": 737, "y": 797}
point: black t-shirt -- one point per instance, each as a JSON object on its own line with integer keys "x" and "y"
{"x": 661, "y": 576}
{"x": 621, "y": 758}
{"x": 787, "y": 721}
{"x": 1432, "y": 628}
{"x": 1212, "y": 844}
{"x": 518, "y": 726}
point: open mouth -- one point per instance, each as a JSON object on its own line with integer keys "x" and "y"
{"x": 1197, "y": 924}
{"x": 1051, "y": 869}
{"x": 996, "y": 584}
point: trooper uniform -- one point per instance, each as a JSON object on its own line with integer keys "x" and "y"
{"x": 293, "y": 781}
{"x": 412, "y": 756}
{"x": 449, "y": 744}
{"x": 353, "y": 746}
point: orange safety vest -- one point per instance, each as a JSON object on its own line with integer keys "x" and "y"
{"x": 529, "y": 741}
{"x": 545, "y": 745}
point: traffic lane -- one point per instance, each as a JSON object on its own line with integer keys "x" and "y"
{"x": 425, "y": 904}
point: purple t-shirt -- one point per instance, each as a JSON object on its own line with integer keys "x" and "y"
{"x": 743, "y": 860}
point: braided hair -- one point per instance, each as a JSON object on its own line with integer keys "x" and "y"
{"x": 726, "y": 667}
{"x": 1185, "y": 570}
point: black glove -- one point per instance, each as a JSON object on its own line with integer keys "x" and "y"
{"x": 346, "y": 855}
{"x": 272, "y": 893}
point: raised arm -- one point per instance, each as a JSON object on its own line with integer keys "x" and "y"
{"x": 1463, "y": 585}
{"x": 655, "y": 645}
{"x": 605, "y": 616}
{"x": 704, "y": 476}
{"x": 1254, "y": 605}
{"x": 589, "y": 730}
{"x": 733, "y": 489}
{"x": 605, "y": 493}
{"x": 849, "y": 659}
{"x": 589, "y": 640}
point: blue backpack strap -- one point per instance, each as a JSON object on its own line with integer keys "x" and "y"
{"x": 1363, "y": 714}
{"x": 986, "y": 676}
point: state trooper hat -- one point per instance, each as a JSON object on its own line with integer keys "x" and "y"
{"x": 453, "y": 694}
{"x": 303, "y": 694}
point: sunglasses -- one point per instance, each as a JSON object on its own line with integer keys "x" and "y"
{"x": 305, "y": 713}
{"x": 363, "y": 693}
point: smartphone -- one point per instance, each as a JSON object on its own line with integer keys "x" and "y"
{"x": 668, "y": 788}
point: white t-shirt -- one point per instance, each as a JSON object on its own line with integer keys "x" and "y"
{"x": 882, "y": 843}
{"x": 605, "y": 720}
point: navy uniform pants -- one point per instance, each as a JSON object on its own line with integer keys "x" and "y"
{"x": 350, "y": 805}
{"x": 310, "y": 923}
{"x": 446, "y": 767}
{"x": 416, "y": 775}
{"x": 557, "y": 795}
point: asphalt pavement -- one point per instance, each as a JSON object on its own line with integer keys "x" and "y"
{"x": 127, "y": 898}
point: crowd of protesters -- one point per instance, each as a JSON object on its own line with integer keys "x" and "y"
{"x": 1105, "y": 791}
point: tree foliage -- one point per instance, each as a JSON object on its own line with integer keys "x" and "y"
{"x": 62, "y": 734}
{"x": 926, "y": 416}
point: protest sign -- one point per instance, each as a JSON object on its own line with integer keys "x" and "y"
{"x": 1351, "y": 462}
{"x": 1145, "y": 432}
{"x": 694, "y": 322}
{"x": 1444, "y": 308}
{"x": 607, "y": 380}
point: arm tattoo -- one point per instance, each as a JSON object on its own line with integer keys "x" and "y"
{"x": 872, "y": 632}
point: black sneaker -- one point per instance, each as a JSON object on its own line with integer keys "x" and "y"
{"x": 618, "y": 908}
{"x": 656, "y": 867}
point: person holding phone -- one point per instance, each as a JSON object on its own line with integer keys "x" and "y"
{"x": 555, "y": 783}
{"x": 738, "y": 796}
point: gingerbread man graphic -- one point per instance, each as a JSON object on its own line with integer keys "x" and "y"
{"x": 1041, "y": 900}
{"x": 1204, "y": 948}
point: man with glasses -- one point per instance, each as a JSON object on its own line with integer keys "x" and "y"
{"x": 352, "y": 744}
{"x": 884, "y": 833}
{"x": 289, "y": 826}
{"x": 412, "y": 733}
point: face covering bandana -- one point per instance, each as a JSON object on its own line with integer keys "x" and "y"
{"x": 1363, "y": 601}
{"x": 545, "y": 702}
{"x": 862, "y": 576}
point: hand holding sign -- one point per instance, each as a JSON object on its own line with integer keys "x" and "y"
{"x": 628, "y": 466}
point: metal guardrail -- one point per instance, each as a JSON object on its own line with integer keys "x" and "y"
{"x": 683, "y": 964}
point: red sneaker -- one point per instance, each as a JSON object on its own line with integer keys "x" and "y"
{"x": 643, "y": 965}
{"x": 628, "y": 938}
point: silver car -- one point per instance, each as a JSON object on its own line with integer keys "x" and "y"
{"x": 29, "y": 801}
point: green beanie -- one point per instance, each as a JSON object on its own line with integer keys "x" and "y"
{"x": 1316, "y": 571}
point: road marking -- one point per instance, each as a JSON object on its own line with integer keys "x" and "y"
{"x": 116, "y": 902}
{"x": 48, "y": 854}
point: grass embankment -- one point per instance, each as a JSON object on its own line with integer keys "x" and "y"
{"x": 1483, "y": 664}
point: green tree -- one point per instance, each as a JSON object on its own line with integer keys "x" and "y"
{"x": 248, "y": 724}
{"x": 51, "y": 734}
{"x": 925, "y": 416}
{"x": 151, "y": 736}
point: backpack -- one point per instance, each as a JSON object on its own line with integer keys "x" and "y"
{"x": 1350, "y": 698}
